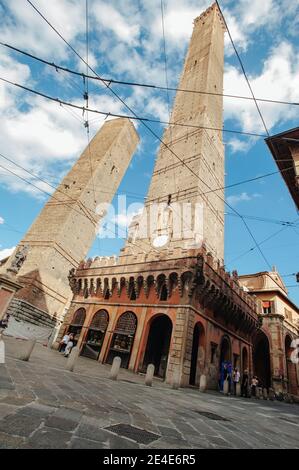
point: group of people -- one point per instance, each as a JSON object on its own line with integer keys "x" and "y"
{"x": 66, "y": 344}
{"x": 233, "y": 376}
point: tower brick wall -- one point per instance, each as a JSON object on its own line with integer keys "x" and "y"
{"x": 199, "y": 149}
{"x": 62, "y": 234}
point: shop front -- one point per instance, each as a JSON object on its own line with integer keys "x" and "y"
{"x": 123, "y": 339}
{"x": 94, "y": 338}
{"x": 77, "y": 323}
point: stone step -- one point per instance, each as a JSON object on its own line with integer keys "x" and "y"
{"x": 26, "y": 312}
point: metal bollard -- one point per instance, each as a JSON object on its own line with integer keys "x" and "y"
{"x": 149, "y": 375}
{"x": 115, "y": 368}
{"x": 2, "y": 350}
{"x": 25, "y": 356}
{"x": 202, "y": 383}
{"x": 71, "y": 360}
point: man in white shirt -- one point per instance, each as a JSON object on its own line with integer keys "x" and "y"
{"x": 236, "y": 379}
{"x": 63, "y": 342}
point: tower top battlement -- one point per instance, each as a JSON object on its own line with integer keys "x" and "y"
{"x": 207, "y": 12}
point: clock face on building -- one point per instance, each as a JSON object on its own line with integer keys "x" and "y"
{"x": 160, "y": 240}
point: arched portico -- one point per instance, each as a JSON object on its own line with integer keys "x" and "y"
{"x": 157, "y": 346}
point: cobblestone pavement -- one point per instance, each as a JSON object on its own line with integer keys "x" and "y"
{"x": 44, "y": 406}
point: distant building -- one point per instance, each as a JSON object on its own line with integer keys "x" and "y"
{"x": 285, "y": 150}
{"x": 272, "y": 344}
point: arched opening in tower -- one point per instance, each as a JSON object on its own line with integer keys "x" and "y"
{"x": 290, "y": 368}
{"x": 157, "y": 347}
{"x": 261, "y": 360}
{"x": 197, "y": 355}
{"x": 225, "y": 361}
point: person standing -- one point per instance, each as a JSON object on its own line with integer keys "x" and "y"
{"x": 254, "y": 384}
{"x": 244, "y": 384}
{"x": 236, "y": 379}
{"x": 63, "y": 342}
{"x": 69, "y": 346}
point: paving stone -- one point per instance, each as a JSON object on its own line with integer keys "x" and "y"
{"x": 10, "y": 442}
{"x": 6, "y": 410}
{"x": 37, "y": 409}
{"x": 91, "y": 431}
{"x": 20, "y": 425}
{"x": 14, "y": 400}
{"x": 48, "y": 438}
{"x": 81, "y": 443}
{"x": 64, "y": 419}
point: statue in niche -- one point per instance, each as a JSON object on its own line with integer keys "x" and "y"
{"x": 72, "y": 279}
{"x": 18, "y": 259}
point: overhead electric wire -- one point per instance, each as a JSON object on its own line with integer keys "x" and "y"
{"x": 154, "y": 133}
{"x": 261, "y": 243}
{"x": 66, "y": 203}
{"x": 134, "y": 195}
{"x": 134, "y": 117}
{"x": 144, "y": 85}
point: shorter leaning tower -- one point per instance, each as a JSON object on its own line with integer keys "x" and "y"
{"x": 62, "y": 234}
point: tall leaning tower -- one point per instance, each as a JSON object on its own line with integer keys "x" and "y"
{"x": 62, "y": 234}
{"x": 193, "y": 161}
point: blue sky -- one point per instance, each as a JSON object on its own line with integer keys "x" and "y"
{"x": 126, "y": 44}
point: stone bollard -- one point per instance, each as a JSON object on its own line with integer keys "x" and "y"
{"x": 226, "y": 387}
{"x": 149, "y": 375}
{"x": 203, "y": 383}
{"x": 265, "y": 394}
{"x": 238, "y": 389}
{"x": 115, "y": 368}
{"x": 29, "y": 346}
{"x": 2, "y": 349}
{"x": 259, "y": 393}
{"x": 271, "y": 394}
{"x": 71, "y": 360}
{"x": 176, "y": 379}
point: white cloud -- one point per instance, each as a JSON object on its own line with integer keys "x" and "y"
{"x": 21, "y": 23}
{"x": 5, "y": 252}
{"x": 237, "y": 198}
{"x": 237, "y": 145}
{"x": 1, "y": 220}
{"x": 125, "y": 28}
{"x": 278, "y": 80}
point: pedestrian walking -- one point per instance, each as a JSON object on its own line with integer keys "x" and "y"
{"x": 63, "y": 342}
{"x": 69, "y": 346}
{"x": 254, "y": 384}
{"x": 244, "y": 384}
{"x": 236, "y": 379}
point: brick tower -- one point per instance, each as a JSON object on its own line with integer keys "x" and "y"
{"x": 201, "y": 150}
{"x": 62, "y": 234}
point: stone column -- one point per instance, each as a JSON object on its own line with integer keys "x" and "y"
{"x": 277, "y": 356}
{"x": 108, "y": 335}
{"x": 137, "y": 343}
{"x": 181, "y": 346}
